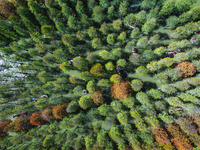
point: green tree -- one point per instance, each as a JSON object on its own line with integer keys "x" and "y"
{"x": 96, "y": 43}
{"x": 141, "y": 17}
{"x": 86, "y": 76}
{"x": 92, "y": 32}
{"x": 142, "y": 98}
{"x": 67, "y": 40}
{"x": 129, "y": 102}
{"x": 116, "y": 53}
{"x": 48, "y": 141}
{"x": 80, "y": 63}
{"x": 72, "y": 107}
{"x": 115, "y": 78}
{"x": 110, "y": 39}
{"x": 149, "y": 26}
{"x": 134, "y": 59}
{"x": 80, "y": 35}
{"x": 91, "y": 86}
{"x": 109, "y": 66}
{"x": 123, "y": 8}
{"x": 122, "y": 117}
{"x": 72, "y": 23}
{"x": 155, "y": 94}
{"x": 98, "y": 15}
{"x": 80, "y": 7}
{"x": 104, "y": 83}
{"x": 104, "y": 28}
{"x": 117, "y": 25}
{"x": 130, "y": 19}
{"x": 116, "y": 105}
{"x": 85, "y": 21}
{"x": 104, "y": 54}
{"x": 121, "y": 62}
{"x": 104, "y": 110}
{"x": 122, "y": 37}
{"x": 136, "y": 85}
{"x": 135, "y": 33}
{"x": 85, "y": 102}
{"x": 172, "y": 21}
{"x": 142, "y": 43}
{"x": 141, "y": 71}
{"x": 168, "y": 89}
{"x": 78, "y": 90}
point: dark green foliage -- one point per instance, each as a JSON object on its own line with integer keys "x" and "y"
{"x": 80, "y": 63}
{"x": 141, "y": 17}
{"x": 98, "y": 15}
{"x": 146, "y": 4}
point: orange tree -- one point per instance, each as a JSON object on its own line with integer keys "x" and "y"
{"x": 7, "y": 8}
{"x": 36, "y": 119}
{"x": 3, "y": 126}
{"x": 47, "y": 114}
{"x": 97, "y": 97}
{"x": 59, "y": 111}
{"x": 121, "y": 90}
{"x": 186, "y": 68}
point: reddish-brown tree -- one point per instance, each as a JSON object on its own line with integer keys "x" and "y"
{"x": 19, "y": 124}
{"x": 3, "y": 127}
{"x": 59, "y": 111}
{"x": 179, "y": 140}
{"x": 97, "y": 97}
{"x": 121, "y": 90}
{"x": 186, "y": 68}
{"x": 7, "y": 8}
{"x": 47, "y": 114}
{"x": 36, "y": 119}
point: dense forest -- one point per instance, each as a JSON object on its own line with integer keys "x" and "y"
{"x": 100, "y": 74}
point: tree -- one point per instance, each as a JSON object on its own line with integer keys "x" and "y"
{"x": 104, "y": 110}
{"x": 123, "y": 8}
{"x": 104, "y": 3}
{"x": 102, "y": 138}
{"x": 109, "y": 66}
{"x": 172, "y": 21}
{"x": 85, "y": 102}
{"x": 104, "y": 28}
{"x": 72, "y": 23}
{"x": 187, "y": 97}
{"x": 96, "y": 43}
{"x": 148, "y": 4}
{"x": 80, "y": 35}
{"x": 72, "y": 107}
{"x": 121, "y": 62}
{"x": 141, "y": 71}
{"x": 3, "y": 127}
{"x": 141, "y": 18}
{"x": 181, "y": 85}
{"x": 142, "y": 43}
{"x": 168, "y": 8}
{"x": 98, "y": 15}
{"x": 155, "y": 94}
{"x": 86, "y": 76}
{"x": 142, "y": 98}
{"x": 121, "y": 90}
{"x": 147, "y": 56}
{"x": 149, "y": 26}
{"x": 97, "y": 97}
{"x": 80, "y": 7}
{"x": 129, "y": 102}
{"x": 80, "y": 63}
{"x": 136, "y": 85}
{"x": 181, "y": 57}
{"x": 110, "y": 39}
{"x": 97, "y": 70}
{"x": 186, "y": 68}
{"x": 116, "y": 53}
{"x": 168, "y": 89}
{"x": 130, "y": 19}
{"x": 117, "y": 25}
{"x": 115, "y": 78}
{"x": 104, "y": 83}
{"x": 7, "y": 8}
{"x": 174, "y": 101}
{"x": 160, "y": 51}
{"x": 59, "y": 111}
{"x": 67, "y": 40}
{"x": 91, "y": 57}
{"x": 105, "y": 54}
{"x": 47, "y": 114}
{"x": 78, "y": 90}
{"x": 134, "y": 59}
{"x": 166, "y": 118}
{"x": 154, "y": 40}
{"x": 129, "y": 46}
{"x": 122, "y": 37}
{"x": 36, "y": 119}
{"x": 135, "y": 33}
{"x": 48, "y": 141}
{"x": 91, "y": 86}
{"x": 116, "y": 105}
{"x": 85, "y": 21}
{"x": 92, "y": 32}
{"x": 111, "y": 12}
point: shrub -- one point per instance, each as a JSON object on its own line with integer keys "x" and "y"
{"x": 136, "y": 85}
{"x": 149, "y": 26}
{"x": 122, "y": 117}
{"x": 109, "y": 66}
{"x": 121, "y": 62}
{"x": 96, "y": 43}
{"x": 141, "y": 71}
{"x": 155, "y": 94}
{"x": 110, "y": 39}
{"x": 115, "y": 78}
{"x": 91, "y": 86}
{"x": 186, "y": 68}
{"x": 116, "y": 105}
{"x": 47, "y": 114}
{"x": 129, "y": 102}
{"x": 97, "y": 70}
{"x": 59, "y": 111}
{"x": 121, "y": 90}
{"x": 72, "y": 107}
{"x": 142, "y": 98}
{"x": 117, "y": 25}
{"x": 105, "y": 55}
{"x": 97, "y": 97}
{"x": 85, "y": 102}
{"x": 104, "y": 110}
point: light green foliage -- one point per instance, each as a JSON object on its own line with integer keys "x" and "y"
{"x": 168, "y": 89}
{"x": 47, "y": 30}
{"x": 122, "y": 37}
{"x": 80, "y": 35}
{"x": 153, "y": 66}
{"x": 189, "y": 98}
{"x": 180, "y": 57}
{"x": 96, "y": 124}
{"x": 142, "y": 98}
{"x": 148, "y": 109}
{"x": 72, "y": 107}
{"x": 104, "y": 3}
{"x": 121, "y": 62}
{"x": 80, "y": 63}
{"x": 115, "y": 134}
{"x": 135, "y": 144}
{"x": 152, "y": 120}
{"x": 98, "y": 14}
{"x": 115, "y": 78}
{"x": 181, "y": 85}
{"x": 130, "y": 19}
{"x": 153, "y": 13}
{"x": 183, "y": 5}
{"x": 122, "y": 117}
{"x": 102, "y": 138}
{"x": 154, "y": 40}
{"x": 116, "y": 53}
{"x": 104, "y": 83}
{"x": 85, "y": 102}
{"x": 141, "y": 71}
{"x": 174, "y": 74}
{"x": 105, "y": 54}
{"x": 72, "y": 22}
{"x": 155, "y": 94}
{"x": 111, "y": 12}
{"x": 135, "y": 33}
{"x": 42, "y": 76}
{"x": 135, "y": 113}
{"x": 146, "y": 4}
{"x": 91, "y": 86}
{"x": 96, "y": 43}
{"x": 64, "y": 67}
{"x": 110, "y": 39}
{"x": 67, "y": 40}
{"x": 97, "y": 70}
{"x": 136, "y": 85}
{"x": 134, "y": 59}
{"x": 193, "y": 81}
{"x": 160, "y": 105}
{"x": 61, "y": 83}
{"x": 166, "y": 62}
{"x": 196, "y": 63}
{"x": 89, "y": 142}
{"x": 168, "y": 8}
{"x": 91, "y": 57}
{"x": 116, "y": 105}
{"x": 142, "y": 43}
{"x": 129, "y": 46}
{"x": 104, "y": 28}
{"x": 194, "y": 92}
{"x": 160, "y": 51}
{"x": 80, "y": 7}
{"x": 60, "y": 55}
{"x": 66, "y": 10}
{"x": 191, "y": 108}
{"x": 117, "y": 25}
{"x": 109, "y": 66}
{"x": 193, "y": 53}
{"x": 172, "y": 21}
{"x": 174, "y": 101}
{"x": 166, "y": 118}
{"x": 92, "y": 32}
{"x": 123, "y": 8}
{"x": 147, "y": 56}
{"x": 141, "y": 17}
{"x": 149, "y": 26}
{"x": 104, "y": 110}
{"x": 86, "y": 76}
{"x": 140, "y": 125}
{"x": 78, "y": 90}
{"x": 129, "y": 102}
{"x": 48, "y": 141}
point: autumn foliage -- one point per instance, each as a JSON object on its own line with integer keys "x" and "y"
{"x": 36, "y": 119}
{"x": 179, "y": 140}
{"x": 121, "y": 90}
{"x": 97, "y": 97}
{"x": 59, "y": 111}
{"x": 186, "y": 68}
{"x": 3, "y": 126}
{"x": 7, "y": 8}
{"x": 47, "y": 114}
